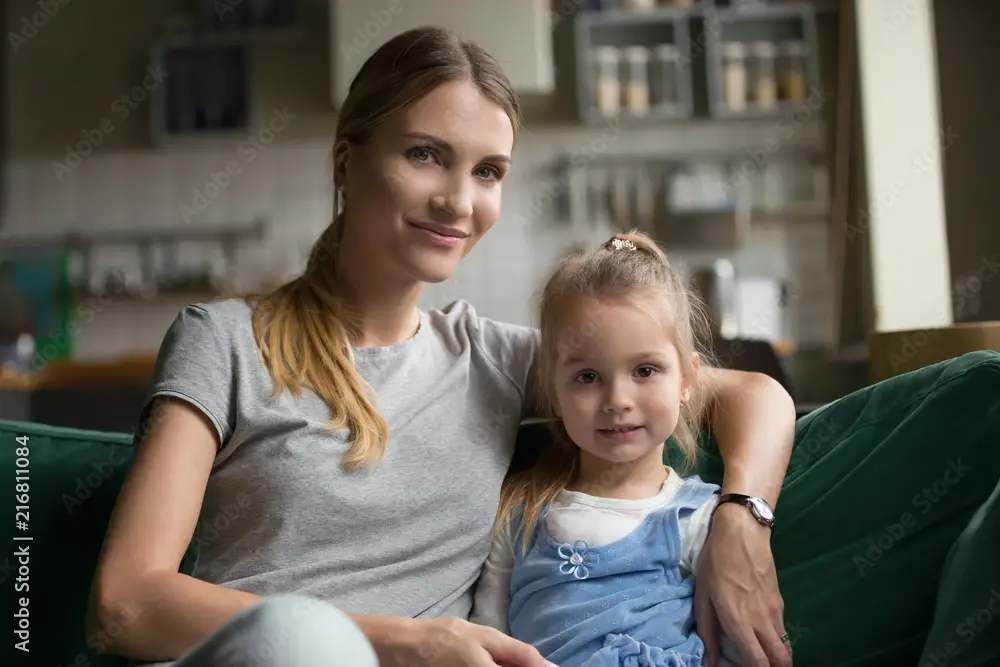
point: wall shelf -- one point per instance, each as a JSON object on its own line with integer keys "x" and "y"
{"x": 206, "y": 90}
{"x": 247, "y": 17}
{"x": 701, "y": 202}
{"x": 698, "y": 34}
{"x": 207, "y": 59}
{"x": 153, "y": 247}
{"x": 765, "y": 25}
{"x": 621, "y": 30}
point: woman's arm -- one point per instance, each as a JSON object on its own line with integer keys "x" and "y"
{"x": 753, "y": 420}
{"x": 141, "y": 606}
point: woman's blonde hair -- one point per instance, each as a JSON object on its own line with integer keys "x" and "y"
{"x": 303, "y": 329}
{"x": 612, "y": 271}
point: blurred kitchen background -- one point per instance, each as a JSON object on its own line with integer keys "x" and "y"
{"x": 163, "y": 152}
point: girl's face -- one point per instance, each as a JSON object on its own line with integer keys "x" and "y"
{"x": 619, "y": 380}
{"x": 425, "y": 188}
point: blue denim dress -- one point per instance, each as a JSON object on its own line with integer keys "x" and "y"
{"x": 623, "y": 604}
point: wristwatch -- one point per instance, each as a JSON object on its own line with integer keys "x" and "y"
{"x": 758, "y": 507}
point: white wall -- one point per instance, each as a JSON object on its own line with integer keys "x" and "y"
{"x": 903, "y": 145}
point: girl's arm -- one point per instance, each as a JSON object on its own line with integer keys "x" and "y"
{"x": 753, "y": 420}
{"x": 493, "y": 589}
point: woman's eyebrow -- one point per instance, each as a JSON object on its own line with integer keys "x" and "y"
{"x": 443, "y": 145}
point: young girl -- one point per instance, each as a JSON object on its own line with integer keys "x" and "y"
{"x": 596, "y": 546}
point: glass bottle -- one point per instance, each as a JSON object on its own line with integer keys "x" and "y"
{"x": 734, "y": 75}
{"x": 664, "y": 80}
{"x": 793, "y": 71}
{"x": 764, "y": 83}
{"x": 606, "y": 80}
{"x": 637, "y": 80}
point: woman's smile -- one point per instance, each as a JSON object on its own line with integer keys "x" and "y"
{"x": 443, "y": 236}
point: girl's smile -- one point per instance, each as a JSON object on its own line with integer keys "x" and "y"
{"x": 623, "y": 433}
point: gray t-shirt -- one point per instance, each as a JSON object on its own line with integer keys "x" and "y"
{"x": 407, "y": 537}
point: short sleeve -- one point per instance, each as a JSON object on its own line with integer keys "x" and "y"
{"x": 694, "y": 534}
{"x": 513, "y": 349}
{"x": 195, "y": 364}
{"x": 492, "y": 596}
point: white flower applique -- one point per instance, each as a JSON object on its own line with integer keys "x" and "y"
{"x": 576, "y": 557}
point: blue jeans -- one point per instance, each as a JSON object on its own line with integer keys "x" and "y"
{"x": 283, "y": 631}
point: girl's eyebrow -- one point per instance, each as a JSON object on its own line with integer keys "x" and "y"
{"x": 655, "y": 355}
{"x": 443, "y": 145}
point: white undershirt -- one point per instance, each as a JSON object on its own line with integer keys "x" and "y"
{"x": 597, "y": 521}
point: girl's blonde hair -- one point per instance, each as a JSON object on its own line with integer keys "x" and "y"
{"x": 303, "y": 329}
{"x": 643, "y": 275}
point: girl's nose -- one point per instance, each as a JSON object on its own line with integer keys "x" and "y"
{"x": 617, "y": 398}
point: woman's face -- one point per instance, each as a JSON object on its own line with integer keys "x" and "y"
{"x": 426, "y": 186}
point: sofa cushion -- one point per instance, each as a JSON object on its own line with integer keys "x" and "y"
{"x": 71, "y": 479}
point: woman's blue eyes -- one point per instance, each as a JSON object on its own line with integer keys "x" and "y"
{"x": 424, "y": 155}
{"x": 417, "y": 152}
{"x": 492, "y": 173}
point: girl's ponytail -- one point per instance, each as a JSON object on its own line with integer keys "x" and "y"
{"x": 643, "y": 244}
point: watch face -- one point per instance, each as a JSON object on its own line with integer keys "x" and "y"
{"x": 761, "y": 509}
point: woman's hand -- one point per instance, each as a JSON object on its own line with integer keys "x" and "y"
{"x": 737, "y": 591}
{"x": 453, "y": 642}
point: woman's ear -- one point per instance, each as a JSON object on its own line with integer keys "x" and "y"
{"x": 341, "y": 151}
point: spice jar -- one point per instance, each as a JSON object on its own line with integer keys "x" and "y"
{"x": 606, "y": 62}
{"x": 792, "y": 71}
{"x": 639, "y": 4}
{"x": 664, "y": 79}
{"x": 763, "y": 80}
{"x": 637, "y": 80}
{"x": 734, "y": 75}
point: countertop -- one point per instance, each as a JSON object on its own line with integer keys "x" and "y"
{"x": 134, "y": 371}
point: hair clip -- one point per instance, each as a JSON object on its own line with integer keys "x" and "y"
{"x": 619, "y": 243}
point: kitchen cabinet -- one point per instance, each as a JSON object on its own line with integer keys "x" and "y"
{"x": 207, "y": 89}
{"x": 697, "y": 60}
{"x": 518, "y": 33}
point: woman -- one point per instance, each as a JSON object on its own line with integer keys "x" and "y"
{"x": 236, "y": 438}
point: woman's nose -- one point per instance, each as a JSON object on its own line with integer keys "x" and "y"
{"x": 455, "y": 199}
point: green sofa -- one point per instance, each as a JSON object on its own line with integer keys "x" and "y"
{"x": 71, "y": 479}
